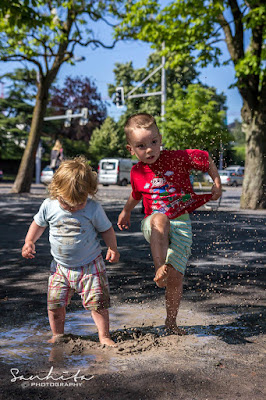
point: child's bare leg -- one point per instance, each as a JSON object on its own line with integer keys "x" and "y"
{"x": 159, "y": 241}
{"x": 101, "y": 319}
{"x": 173, "y": 295}
{"x": 57, "y": 322}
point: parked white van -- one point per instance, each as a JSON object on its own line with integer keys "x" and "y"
{"x": 115, "y": 171}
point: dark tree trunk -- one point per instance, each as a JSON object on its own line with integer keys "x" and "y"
{"x": 252, "y": 88}
{"x": 26, "y": 168}
{"x": 254, "y": 185}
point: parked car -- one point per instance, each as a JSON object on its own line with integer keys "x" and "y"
{"x": 231, "y": 178}
{"x": 1, "y": 175}
{"x": 47, "y": 175}
{"x": 207, "y": 177}
{"x": 114, "y": 171}
{"x": 236, "y": 168}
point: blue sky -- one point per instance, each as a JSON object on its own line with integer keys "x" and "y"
{"x": 99, "y": 65}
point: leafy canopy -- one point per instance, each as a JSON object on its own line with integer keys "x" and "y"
{"x": 107, "y": 141}
{"x": 16, "y": 111}
{"x": 194, "y": 119}
{"x": 21, "y": 13}
{"x": 50, "y": 30}
{"x": 195, "y": 114}
{"x": 129, "y": 78}
{"x": 197, "y": 27}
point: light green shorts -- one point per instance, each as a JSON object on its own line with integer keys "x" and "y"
{"x": 180, "y": 240}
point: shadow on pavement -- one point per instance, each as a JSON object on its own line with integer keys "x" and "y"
{"x": 227, "y": 261}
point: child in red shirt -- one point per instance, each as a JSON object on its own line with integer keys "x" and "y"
{"x": 161, "y": 179}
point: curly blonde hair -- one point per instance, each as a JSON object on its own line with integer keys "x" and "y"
{"x": 74, "y": 181}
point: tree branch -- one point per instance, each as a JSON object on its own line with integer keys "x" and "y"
{"x": 46, "y": 48}
{"x": 238, "y": 39}
{"x": 228, "y": 36}
{"x": 18, "y": 57}
{"x": 96, "y": 42}
{"x": 215, "y": 41}
{"x": 45, "y": 58}
{"x": 253, "y": 4}
{"x": 257, "y": 41}
{"x": 97, "y": 16}
{"x": 61, "y": 55}
{"x": 77, "y": 29}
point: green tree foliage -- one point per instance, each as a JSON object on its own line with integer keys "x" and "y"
{"x": 107, "y": 141}
{"x": 193, "y": 112}
{"x": 129, "y": 78}
{"x": 16, "y": 111}
{"x": 237, "y": 132}
{"x": 194, "y": 119}
{"x": 239, "y": 148}
{"x": 21, "y": 13}
{"x": 47, "y": 44}
{"x": 196, "y": 28}
{"x": 74, "y": 148}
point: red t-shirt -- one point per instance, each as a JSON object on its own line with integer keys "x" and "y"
{"x": 165, "y": 185}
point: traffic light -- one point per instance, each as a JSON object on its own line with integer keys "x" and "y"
{"x": 84, "y": 119}
{"x": 119, "y": 96}
{"x": 67, "y": 122}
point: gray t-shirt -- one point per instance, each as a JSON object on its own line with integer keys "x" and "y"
{"x": 73, "y": 236}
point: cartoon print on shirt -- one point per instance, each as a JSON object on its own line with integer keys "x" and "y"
{"x": 172, "y": 172}
{"x": 158, "y": 182}
{"x": 165, "y": 197}
{"x": 161, "y": 189}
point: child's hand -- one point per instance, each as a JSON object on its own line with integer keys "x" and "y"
{"x": 216, "y": 191}
{"x": 123, "y": 220}
{"x": 112, "y": 255}
{"x": 28, "y": 250}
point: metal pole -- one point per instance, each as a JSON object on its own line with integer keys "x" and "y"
{"x": 133, "y": 96}
{"x": 163, "y": 85}
{"x": 38, "y": 160}
{"x": 143, "y": 81}
{"x": 63, "y": 117}
{"x": 221, "y": 157}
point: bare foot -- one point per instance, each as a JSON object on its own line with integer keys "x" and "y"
{"x": 108, "y": 342}
{"x": 174, "y": 329}
{"x": 55, "y": 338}
{"x": 161, "y": 275}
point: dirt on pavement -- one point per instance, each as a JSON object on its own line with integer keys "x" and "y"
{"x": 223, "y": 311}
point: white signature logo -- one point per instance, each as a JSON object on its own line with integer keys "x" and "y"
{"x": 62, "y": 380}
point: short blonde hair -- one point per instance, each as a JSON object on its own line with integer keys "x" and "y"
{"x": 140, "y": 120}
{"x": 73, "y": 181}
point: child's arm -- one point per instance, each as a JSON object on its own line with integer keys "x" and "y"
{"x": 124, "y": 217}
{"x": 34, "y": 233}
{"x": 109, "y": 238}
{"x": 217, "y": 186}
